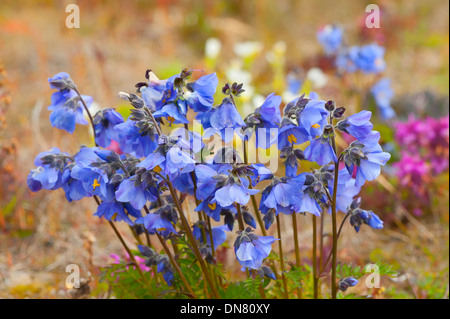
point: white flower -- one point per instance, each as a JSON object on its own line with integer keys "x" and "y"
{"x": 246, "y": 49}
{"x": 317, "y": 77}
{"x": 213, "y": 46}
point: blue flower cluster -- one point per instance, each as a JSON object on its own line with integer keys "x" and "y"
{"x": 368, "y": 59}
{"x": 150, "y": 161}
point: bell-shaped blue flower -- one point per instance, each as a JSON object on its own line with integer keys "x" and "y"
{"x": 49, "y": 169}
{"x": 367, "y": 156}
{"x": 360, "y": 216}
{"x": 73, "y": 188}
{"x": 171, "y": 159}
{"x": 95, "y": 180}
{"x": 346, "y": 190}
{"x": 344, "y": 283}
{"x": 131, "y": 141}
{"x": 330, "y": 37}
{"x": 115, "y": 211}
{"x": 104, "y": 122}
{"x": 264, "y": 122}
{"x": 303, "y": 201}
{"x": 280, "y": 196}
{"x": 251, "y": 249}
{"x": 383, "y": 94}
{"x": 136, "y": 192}
{"x": 223, "y": 119}
{"x": 161, "y": 221}
{"x": 219, "y": 235}
{"x": 202, "y": 97}
{"x": 233, "y": 192}
{"x": 320, "y": 150}
{"x": 66, "y": 107}
{"x": 357, "y": 125}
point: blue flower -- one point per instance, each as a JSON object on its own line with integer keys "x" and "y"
{"x": 183, "y": 183}
{"x": 206, "y": 181}
{"x": 72, "y": 187}
{"x": 95, "y": 180}
{"x": 66, "y": 107}
{"x": 269, "y": 111}
{"x": 161, "y": 221}
{"x": 165, "y": 268}
{"x": 320, "y": 150}
{"x": 235, "y": 191}
{"x": 174, "y": 112}
{"x": 131, "y": 140}
{"x": 202, "y": 97}
{"x": 360, "y": 216}
{"x": 259, "y": 173}
{"x": 264, "y": 121}
{"x": 152, "y": 93}
{"x": 344, "y": 283}
{"x": 170, "y": 157}
{"x": 304, "y": 119}
{"x": 357, "y": 125}
{"x": 383, "y": 94}
{"x": 265, "y": 271}
{"x": 162, "y": 263}
{"x": 251, "y": 249}
{"x": 370, "y": 58}
{"x": 219, "y": 234}
{"x": 292, "y": 157}
{"x": 104, "y": 123}
{"x": 135, "y": 191}
{"x": 212, "y": 209}
{"x": 367, "y": 59}
{"x": 291, "y": 134}
{"x": 49, "y": 169}
{"x": 309, "y": 192}
{"x": 188, "y": 140}
{"x": 225, "y": 187}
{"x": 247, "y": 217}
{"x": 346, "y": 190}
{"x": 367, "y": 156}
{"x": 115, "y": 211}
{"x": 223, "y": 119}
{"x": 280, "y": 196}
{"x": 330, "y": 37}
{"x": 294, "y": 82}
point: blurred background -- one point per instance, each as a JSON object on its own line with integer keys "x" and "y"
{"x": 270, "y": 46}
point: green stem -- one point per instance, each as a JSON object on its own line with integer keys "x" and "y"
{"x": 88, "y": 113}
{"x": 240, "y": 218}
{"x": 131, "y": 255}
{"x": 192, "y": 240}
{"x": 329, "y": 256}
{"x": 175, "y": 265}
{"x": 280, "y": 246}
{"x": 297, "y": 248}
{"x": 314, "y": 258}
{"x": 256, "y": 210}
{"x": 334, "y": 223}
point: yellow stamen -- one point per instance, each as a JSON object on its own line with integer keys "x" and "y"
{"x": 212, "y": 206}
{"x": 161, "y": 229}
{"x": 317, "y": 125}
{"x": 170, "y": 119}
{"x": 114, "y": 216}
{"x": 95, "y": 184}
{"x": 157, "y": 169}
{"x": 292, "y": 139}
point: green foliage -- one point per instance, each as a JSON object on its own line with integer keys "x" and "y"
{"x": 125, "y": 282}
{"x": 349, "y": 270}
{"x": 247, "y": 289}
